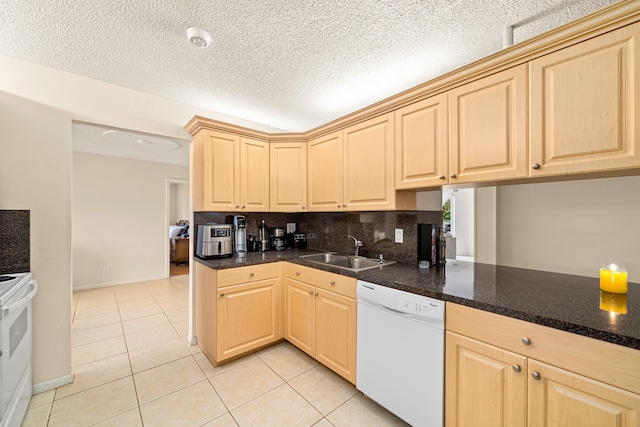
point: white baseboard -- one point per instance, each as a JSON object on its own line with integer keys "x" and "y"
{"x": 116, "y": 283}
{"x": 51, "y": 384}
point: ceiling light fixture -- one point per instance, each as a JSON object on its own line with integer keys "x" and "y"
{"x": 198, "y": 37}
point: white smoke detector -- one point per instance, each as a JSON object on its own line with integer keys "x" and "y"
{"x": 198, "y": 37}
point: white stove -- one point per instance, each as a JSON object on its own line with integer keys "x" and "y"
{"x": 16, "y": 292}
{"x": 10, "y": 284}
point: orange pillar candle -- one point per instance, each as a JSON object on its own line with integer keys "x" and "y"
{"x": 613, "y": 278}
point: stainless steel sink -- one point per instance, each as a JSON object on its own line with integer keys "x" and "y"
{"x": 346, "y": 262}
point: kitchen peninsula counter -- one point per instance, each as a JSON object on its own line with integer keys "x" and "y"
{"x": 561, "y": 301}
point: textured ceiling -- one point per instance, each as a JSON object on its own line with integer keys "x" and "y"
{"x": 292, "y": 65}
{"x": 94, "y": 139}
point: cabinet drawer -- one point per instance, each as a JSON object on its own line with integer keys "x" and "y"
{"x": 330, "y": 281}
{"x": 248, "y": 274}
{"x": 600, "y": 360}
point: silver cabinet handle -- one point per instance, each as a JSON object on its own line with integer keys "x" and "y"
{"x": 237, "y": 206}
{"x": 344, "y": 206}
{"x": 526, "y": 341}
{"x": 536, "y": 166}
{"x": 453, "y": 175}
{"x": 536, "y": 375}
{"x": 338, "y": 205}
{"x": 251, "y": 274}
{"x": 316, "y": 294}
{"x": 221, "y": 294}
{"x": 333, "y": 282}
{"x": 297, "y": 273}
{"x": 517, "y": 368}
{"x": 310, "y": 292}
{"x": 441, "y": 177}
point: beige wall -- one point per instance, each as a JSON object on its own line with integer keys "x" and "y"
{"x": 35, "y": 174}
{"x": 37, "y": 106}
{"x": 570, "y": 227}
{"x": 181, "y": 202}
{"x": 119, "y": 219}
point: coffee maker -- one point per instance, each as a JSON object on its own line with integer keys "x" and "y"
{"x": 240, "y": 235}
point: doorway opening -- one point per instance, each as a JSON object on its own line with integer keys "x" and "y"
{"x": 458, "y": 208}
{"x": 179, "y": 227}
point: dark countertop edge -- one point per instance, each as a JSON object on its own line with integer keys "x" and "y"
{"x": 293, "y": 256}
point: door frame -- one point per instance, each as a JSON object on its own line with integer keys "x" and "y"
{"x": 167, "y": 258}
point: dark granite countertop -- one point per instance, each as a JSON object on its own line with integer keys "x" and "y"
{"x": 561, "y": 301}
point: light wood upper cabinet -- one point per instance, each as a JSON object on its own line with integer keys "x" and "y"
{"x": 369, "y": 165}
{"x": 288, "y": 171}
{"x": 220, "y": 171}
{"x": 585, "y": 106}
{"x": 488, "y": 128}
{"x": 254, "y": 175}
{"x": 482, "y": 387}
{"x": 422, "y": 144}
{"x": 232, "y": 173}
{"x": 325, "y": 161}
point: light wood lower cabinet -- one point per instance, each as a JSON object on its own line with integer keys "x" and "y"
{"x": 482, "y": 389}
{"x": 319, "y": 321}
{"x": 237, "y": 310}
{"x": 506, "y": 372}
{"x": 561, "y": 398}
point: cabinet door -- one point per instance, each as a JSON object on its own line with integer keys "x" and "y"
{"x": 482, "y": 385}
{"x": 421, "y": 144}
{"x": 288, "y": 184}
{"x": 488, "y": 129}
{"x": 561, "y": 398}
{"x": 585, "y": 106}
{"x": 254, "y": 175}
{"x": 369, "y": 165}
{"x": 221, "y": 171}
{"x": 299, "y": 316}
{"x": 336, "y": 333}
{"x": 326, "y": 173}
{"x": 247, "y": 317}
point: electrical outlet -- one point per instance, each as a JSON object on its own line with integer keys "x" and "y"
{"x": 106, "y": 271}
{"x": 399, "y": 235}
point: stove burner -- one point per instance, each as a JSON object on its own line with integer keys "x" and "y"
{"x": 6, "y": 278}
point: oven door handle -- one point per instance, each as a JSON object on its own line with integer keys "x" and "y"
{"x": 34, "y": 289}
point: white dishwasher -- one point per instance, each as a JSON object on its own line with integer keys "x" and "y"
{"x": 400, "y": 352}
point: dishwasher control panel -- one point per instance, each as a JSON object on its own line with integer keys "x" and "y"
{"x": 420, "y": 306}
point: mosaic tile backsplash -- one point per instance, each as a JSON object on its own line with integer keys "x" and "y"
{"x": 14, "y": 241}
{"x": 329, "y": 231}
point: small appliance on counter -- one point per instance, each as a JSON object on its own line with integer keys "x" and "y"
{"x": 263, "y": 237}
{"x": 214, "y": 241}
{"x": 296, "y": 240}
{"x": 240, "y": 235}
{"x": 431, "y": 244}
{"x": 278, "y": 239}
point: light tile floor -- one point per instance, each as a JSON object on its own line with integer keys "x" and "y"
{"x": 133, "y": 366}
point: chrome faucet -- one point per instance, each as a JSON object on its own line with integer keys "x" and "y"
{"x": 358, "y": 244}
